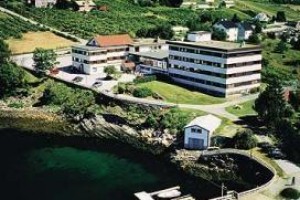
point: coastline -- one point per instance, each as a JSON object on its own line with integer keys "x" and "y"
{"x": 37, "y": 120}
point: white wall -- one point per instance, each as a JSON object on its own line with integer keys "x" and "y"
{"x": 199, "y": 37}
{"x": 232, "y": 33}
{"x": 204, "y": 135}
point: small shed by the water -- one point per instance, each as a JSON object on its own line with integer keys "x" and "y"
{"x": 198, "y": 132}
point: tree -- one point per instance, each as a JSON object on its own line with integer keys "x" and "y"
{"x": 171, "y": 3}
{"x": 258, "y": 27}
{"x": 296, "y": 43}
{"x": 280, "y": 16}
{"x": 235, "y": 18}
{"x": 4, "y": 52}
{"x": 271, "y": 106}
{"x": 295, "y": 99}
{"x": 110, "y": 70}
{"x": 254, "y": 39}
{"x": 281, "y": 47}
{"x": 219, "y": 35}
{"x": 244, "y": 139}
{"x": 11, "y": 79}
{"x": 44, "y": 60}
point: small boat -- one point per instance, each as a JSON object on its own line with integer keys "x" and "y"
{"x": 169, "y": 194}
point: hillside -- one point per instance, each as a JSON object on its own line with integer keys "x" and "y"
{"x": 14, "y": 27}
{"x": 122, "y": 16}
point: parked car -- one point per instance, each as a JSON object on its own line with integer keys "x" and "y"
{"x": 77, "y": 79}
{"x": 276, "y": 153}
{"x": 97, "y": 84}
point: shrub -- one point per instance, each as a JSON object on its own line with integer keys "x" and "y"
{"x": 244, "y": 140}
{"x": 144, "y": 79}
{"x": 17, "y": 104}
{"x": 290, "y": 193}
{"x": 121, "y": 88}
{"x": 142, "y": 92}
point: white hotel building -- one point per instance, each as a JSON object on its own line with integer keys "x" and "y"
{"x": 215, "y": 67}
{"x": 106, "y": 50}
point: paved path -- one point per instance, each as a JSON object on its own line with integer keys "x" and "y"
{"x": 39, "y": 24}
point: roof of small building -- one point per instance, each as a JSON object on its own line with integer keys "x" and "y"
{"x": 199, "y": 32}
{"x": 113, "y": 40}
{"x": 217, "y": 45}
{"x": 147, "y": 41}
{"x": 129, "y": 65}
{"x": 159, "y": 55}
{"x": 227, "y": 24}
{"x": 247, "y": 26}
{"x": 81, "y": 3}
{"x": 208, "y": 122}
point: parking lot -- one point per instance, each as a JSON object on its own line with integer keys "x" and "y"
{"x": 66, "y": 73}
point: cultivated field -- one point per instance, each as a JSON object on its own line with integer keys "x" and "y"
{"x": 32, "y": 40}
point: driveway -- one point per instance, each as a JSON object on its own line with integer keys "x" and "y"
{"x": 65, "y": 62}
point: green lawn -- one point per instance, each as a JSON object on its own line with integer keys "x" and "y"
{"x": 244, "y": 110}
{"x": 277, "y": 59}
{"x": 268, "y": 8}
{"x": 177, "y": 94}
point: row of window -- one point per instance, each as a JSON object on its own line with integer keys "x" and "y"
{"x": 220, "y": 85}
{"x": 99, "y": 52}
{"x": 209, "y": 53}
{"x": 215, "y": 74}
{"x": 98, "y": 61}
{"x": 196, "y": 130}
{"x": 213, "y": 64}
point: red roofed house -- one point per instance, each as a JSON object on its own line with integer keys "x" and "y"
{"x": 101, "y": 51}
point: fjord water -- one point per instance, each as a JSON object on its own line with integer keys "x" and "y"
{"x": 38, "y": 167}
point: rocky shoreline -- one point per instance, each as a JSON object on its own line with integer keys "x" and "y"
{"x": 37, "y": 120}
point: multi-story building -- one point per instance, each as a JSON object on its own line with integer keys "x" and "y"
{"x": 218, "y": 68}
{"x": 100, "y": 52}
{"x": 103, "y": 51}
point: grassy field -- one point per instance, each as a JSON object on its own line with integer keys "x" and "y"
{"x": 32, "y": 40}
{"x": 245, "y": 109}
{"x": 122, "y": 16}
{"x": 276, "y": 59}
{"x": 268, "y": 8}
{"x": 177, "y": 94}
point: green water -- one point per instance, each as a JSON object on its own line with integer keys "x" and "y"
{"x": 48, "y": 168}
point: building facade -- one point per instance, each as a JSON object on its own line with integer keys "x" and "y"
{"x": 197, "y": 134}
{"x": 100, "y": 52}
{"x": 230, "y": 28}
{"x": 215, "y": 67}
{"x": 107, "y": 50}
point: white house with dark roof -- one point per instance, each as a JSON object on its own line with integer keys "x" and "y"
{"x": 262, "y": 17}
{"x": 198, "y": 132}
{"x": 229, "y": 27}
{"x": 245, "y": 30}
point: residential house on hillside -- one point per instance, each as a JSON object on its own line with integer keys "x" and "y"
{"x": 235, "y": 31}
{"x": 229, "y": 27}
{"x": 262, "y": 17}
{"x": 197, "y": 134}
{"x": 42, "y": 3}
{"x": 84, "y": 5}
{"x": 245, "y": 30}
{"x": 228, "y": 3}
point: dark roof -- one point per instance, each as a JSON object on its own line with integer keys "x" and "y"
{"x": 247, "y": 26}
{"x": 227, "y": 24}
